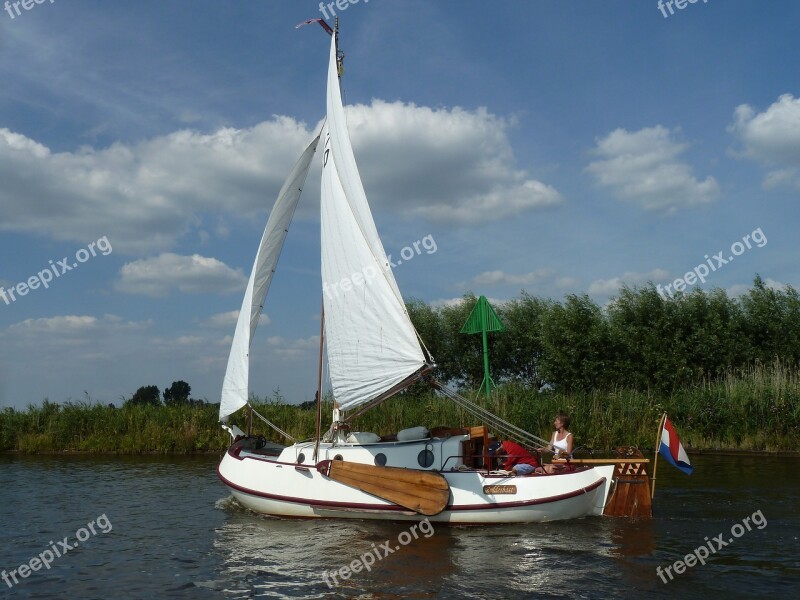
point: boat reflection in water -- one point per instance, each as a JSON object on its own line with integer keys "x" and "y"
{"x": 276, "y": 557}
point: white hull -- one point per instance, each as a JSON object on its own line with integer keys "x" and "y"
{"x": 290, "y": 485}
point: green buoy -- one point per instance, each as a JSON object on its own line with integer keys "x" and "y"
{"x": 482, "y": 320}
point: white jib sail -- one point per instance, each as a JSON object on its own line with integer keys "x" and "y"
{"x": 371, "y": 343}
{"x": 236, "y": 384}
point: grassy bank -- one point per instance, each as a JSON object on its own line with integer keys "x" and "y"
{"x": 754, "y": 410}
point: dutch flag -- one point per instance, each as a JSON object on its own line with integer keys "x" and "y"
{"x": 672, "y": 449}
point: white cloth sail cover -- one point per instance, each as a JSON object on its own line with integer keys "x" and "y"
{"x": 371, "y": 343}
{"x": 236, "y": 384}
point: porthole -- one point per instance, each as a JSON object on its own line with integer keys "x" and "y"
{"x": 338, "y": 457}
{"x": 301, "y": 459}
{"x": 425, "y": 459}
{"x": 380, "y": 460}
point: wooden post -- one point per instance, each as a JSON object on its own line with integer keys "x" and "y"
{"x": 655, "y": 458}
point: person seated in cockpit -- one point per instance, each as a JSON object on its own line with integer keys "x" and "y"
{"x": 514, "y": 458}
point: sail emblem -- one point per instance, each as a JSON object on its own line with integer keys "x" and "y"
{"x": 327, "y": 150}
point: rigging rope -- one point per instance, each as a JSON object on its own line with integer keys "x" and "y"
{"x": 271, "y": 424}
{"x": 492, "y": 420}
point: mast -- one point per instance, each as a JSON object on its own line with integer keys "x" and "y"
{"x": 339, "y": 61}
{"x": 319, "y": 382}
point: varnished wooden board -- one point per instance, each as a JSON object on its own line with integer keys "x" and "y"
{"x": 424, "y": 492}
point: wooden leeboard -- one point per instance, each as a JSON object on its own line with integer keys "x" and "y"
{"x": 424, "y": 492}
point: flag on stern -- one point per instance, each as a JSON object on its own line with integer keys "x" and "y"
{"x": 672, "y": 449}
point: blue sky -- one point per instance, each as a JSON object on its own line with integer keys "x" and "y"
{"x": 553, "y": 147}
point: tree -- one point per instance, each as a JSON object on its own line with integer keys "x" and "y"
{"x": 649, "y": 339}
{"x": 146, "y": 395}
{"x": 576, "y": 345}
{"x": 428, "y": 323}
{"x": 772, "y": 322}
{"x": 177, "y": 393}
{"x": 518, "y": 352}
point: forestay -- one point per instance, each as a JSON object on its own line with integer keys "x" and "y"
{"x": 236, "y": 384}
{"x": 371, "y": 343}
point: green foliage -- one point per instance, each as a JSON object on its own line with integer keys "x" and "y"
{"x": 754, "y": 409}
{"x": 147, "y": 395}
{"x": 772, "y": 322}
{"x": 577, "y": 349}
{"x": 518, "y": 354}
{"x": 641, "y": 340}
{"x": 725, "y": 369}
{"x": 177, "y": 393}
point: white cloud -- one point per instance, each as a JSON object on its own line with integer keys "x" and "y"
{"x": 503, "y": 278}
{"x": 447, "y": 165}
{"x": 772, "y": 137}
{"x": 605, "y": 287}
{"x": 296, "y": 347}
{"x": 781, "y": 177}
{"x": 643, "y": 167}
{"x": 189, "y": 340}
{"x": 229, "y": 318}
{"x": 144, "y": 196}
{"x": 160, "y": 275}
{"x": 741, "y": 289}
{"x": 566, "y": 282}
{"x": 442, "y": 302}
{"x": 72, "y": 323}
{"x": 70, "y": 330}
{"x": 451, "y": 302}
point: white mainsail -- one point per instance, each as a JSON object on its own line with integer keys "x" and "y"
{"x": 236, "y": 384}
{"x": 372, "y": 345}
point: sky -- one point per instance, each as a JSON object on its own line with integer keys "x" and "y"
{"x": 557, "y": 148}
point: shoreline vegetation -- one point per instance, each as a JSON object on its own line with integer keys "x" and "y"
{"x": 754, "y": 411}
{"x": 726, "y": 370}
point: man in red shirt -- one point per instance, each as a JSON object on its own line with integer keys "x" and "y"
{"x": 514, "y": 458}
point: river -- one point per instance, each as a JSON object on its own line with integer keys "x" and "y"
{"x": 165, "y": 527}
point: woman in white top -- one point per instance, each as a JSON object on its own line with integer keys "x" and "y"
{"x": 561, "y": 442}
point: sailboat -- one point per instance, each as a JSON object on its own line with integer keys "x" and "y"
{"x": 374, "y": 352}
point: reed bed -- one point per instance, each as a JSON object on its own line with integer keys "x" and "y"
{"x": 753, "y": 409}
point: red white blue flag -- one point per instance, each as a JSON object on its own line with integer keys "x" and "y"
{"x": 672, "y": 449}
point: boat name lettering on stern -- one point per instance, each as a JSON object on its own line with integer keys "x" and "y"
{"x": 499, "y": 489}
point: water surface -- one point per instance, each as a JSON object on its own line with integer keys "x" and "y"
{"x": 176, "y": 533}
